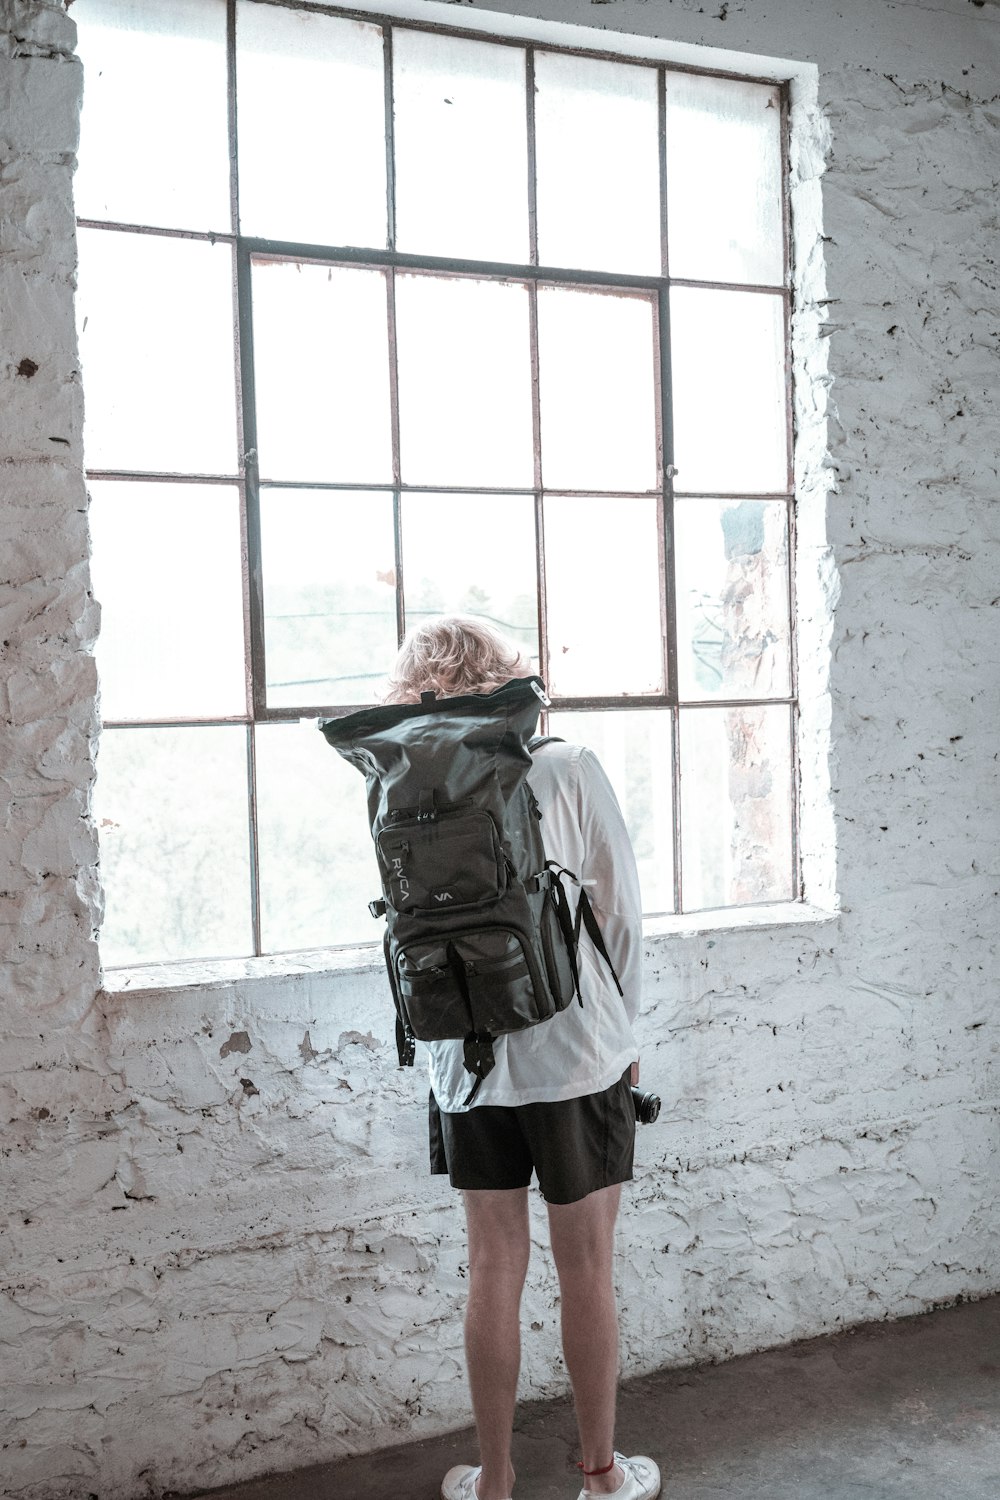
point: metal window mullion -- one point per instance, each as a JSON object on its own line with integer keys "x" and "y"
{"x": 665, "y": 520}
{"x": 162, "y": 231}
{"x": 246, "y": 440}
{"x": 254, "y": 845}
{"x": 791, "y": 545}
{"x": 661, "y": 105}
{"x": 163, "y": 722}
{"x": 791, "y": 532}
{"x": 536, "y": 432}
{"x": 536, "y": 415}
{"x": 756, "y": 495}
{"x": 669, "y": 530}
{"x": 483, "y": 270}
{"x": 798, "y": 894}
{"x": 532, "y": 146}
{"x": 238, "y": 356}
{"x": 129, "y": 475}
{"x": 758, "y": 288}
{"x": 664, "y": 413}
{"x": 397, "y": 500}
{"x": 231, "y": 119}
{"x": 675, "y": 769}
{"x": 390, "y": 139}
{"x": 253, "y": 575}
{"x": 791, "y": 548}
{"x": 443, "y": 265}
{"x": 785, "y": 701}
{"x": 390, "y": 324}
{"x": 786, "y": 208}
{"x": 561, "y": 704}
{"x": 789, "y": 408}
{"x": 370, "y": 255}
{"x": 385, "y": 485}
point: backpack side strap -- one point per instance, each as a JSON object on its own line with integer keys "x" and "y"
{"x": 585, "y": 914}
{"x": 561, "y": 903}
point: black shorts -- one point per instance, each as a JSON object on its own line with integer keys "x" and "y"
{"x": 576, "y": 1146}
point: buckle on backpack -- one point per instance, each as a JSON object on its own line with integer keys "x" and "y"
{"x": 377, "y": 908}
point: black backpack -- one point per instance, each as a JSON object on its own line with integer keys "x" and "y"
{"x": 479, "y": 939}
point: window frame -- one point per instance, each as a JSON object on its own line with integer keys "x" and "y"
{"x": 245, "y": 249}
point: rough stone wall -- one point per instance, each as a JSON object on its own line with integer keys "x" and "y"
{"x": 55, "y": 1082}
{"x": 221, "y": 1255}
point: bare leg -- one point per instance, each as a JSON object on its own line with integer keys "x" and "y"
{"x": 499, "y": 1246}
{"x": 582, "y": 1243}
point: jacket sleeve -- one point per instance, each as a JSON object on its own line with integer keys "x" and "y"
{"x": 610, "y": 876}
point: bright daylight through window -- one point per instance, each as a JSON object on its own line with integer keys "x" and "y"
{"x": 387, "y": 321}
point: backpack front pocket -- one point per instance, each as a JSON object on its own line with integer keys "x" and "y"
{"x": 478, "y": 981}
{"x": 440, "y": 863}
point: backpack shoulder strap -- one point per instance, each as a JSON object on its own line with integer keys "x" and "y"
{"x": 539, "y": 740}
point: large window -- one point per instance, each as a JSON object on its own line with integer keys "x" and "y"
{"x": 381, "y": 319}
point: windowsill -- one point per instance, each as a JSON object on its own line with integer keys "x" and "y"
{"x": 733, "y": 918}
{"x": 206, "y": 974}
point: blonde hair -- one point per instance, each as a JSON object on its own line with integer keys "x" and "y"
{"x": 453, "y": 654}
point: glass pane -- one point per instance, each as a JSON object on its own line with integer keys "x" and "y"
{"x": 724, "y": 179}
{"x": 728, "y": 356}
{"x": 461, "y": 147}
{"x": 736, "y": 806}
{"x": 311, "y": 127}
{"x": 596, "y": 368}
{"x": 317, "y": 863}
{"x": 634, "y": 749}
{"x": 732, "y": 598}
{"x": 156, "y": 348}
{"x": 464, "y": 382}
{"x": 598, "y": 164}
{"x": 143, "y": 160}
{"x": 156, "y": 660}
{"x": 328, "y": 561}
{"x": 473, "y": 555}
{"x": 321, "y": 372}
{"x": 171, "y": 812}
{"x": 603, "y": 588}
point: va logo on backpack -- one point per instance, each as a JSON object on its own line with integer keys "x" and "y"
{"x": 479, "y": 939}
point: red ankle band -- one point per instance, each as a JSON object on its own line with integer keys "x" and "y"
{"x": 606, "y": 1470}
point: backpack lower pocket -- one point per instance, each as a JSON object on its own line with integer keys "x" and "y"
{"x": 477, "y": 981}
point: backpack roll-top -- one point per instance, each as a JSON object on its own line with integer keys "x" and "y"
{"x": 479, "y": 940}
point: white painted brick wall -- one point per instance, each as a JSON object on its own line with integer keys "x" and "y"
{"x": 220, "y": 1253}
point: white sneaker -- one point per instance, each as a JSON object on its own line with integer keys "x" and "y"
{"x": 642, "y": 1480}
{"x": 460, "y": 1482}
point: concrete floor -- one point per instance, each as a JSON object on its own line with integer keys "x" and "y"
{"x": 889, "y": 1411}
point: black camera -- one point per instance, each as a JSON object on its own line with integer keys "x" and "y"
{"x": 647, "y": 1106}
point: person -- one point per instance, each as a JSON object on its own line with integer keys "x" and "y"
{"x": 557, "y": 1103}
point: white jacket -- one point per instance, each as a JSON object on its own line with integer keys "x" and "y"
{"x": 582, "y": 1050}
